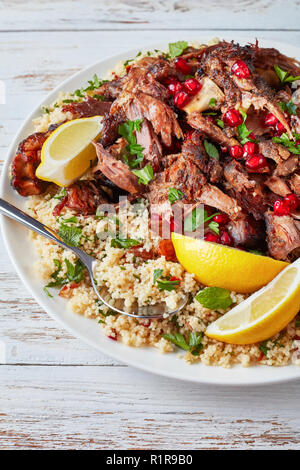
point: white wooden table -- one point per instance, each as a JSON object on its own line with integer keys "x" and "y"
{"x": 56, "y": 392}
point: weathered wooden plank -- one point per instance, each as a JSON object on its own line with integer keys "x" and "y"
{"x": 26, "y": 15}
{"x": 105, "y": 408}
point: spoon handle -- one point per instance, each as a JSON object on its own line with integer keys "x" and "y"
{"x": 16, "y": 214}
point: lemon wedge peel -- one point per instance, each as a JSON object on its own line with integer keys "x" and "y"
{"x": 264, "y": 313}
{"x": 68, "y": 152}
{"x": 216, "y": 265}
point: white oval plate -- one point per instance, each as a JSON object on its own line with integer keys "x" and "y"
{"x": 22, "y": 253}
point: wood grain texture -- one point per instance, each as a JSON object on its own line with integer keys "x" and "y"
{"x": 56, "y": 392}
{"x": 109, "y": 408}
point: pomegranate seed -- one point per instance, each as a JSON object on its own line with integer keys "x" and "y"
{"x": 226, "y": 239}
{"x": 233, "y": 118}
{"x": 172, "y": 225}
{"x": 192, "y": 86}
{"x": 181, "y": 99}
{"x": 174, "y": 278}
{"x": 240, "y": 69}
{"x": 270, "y": 120}
{"x": 292, "y": 201}
{"x": 236, "y": 151}
{"x": 280, "y": 128}
{"x": 189, "y": 134}
{"x": 251, "y": 136}
{"x": 256, "y": 162}
{"x": 174, "y": 88}
{"x": 298, "y": 142}
{"x": 281, "y": 208}
{"x": 221, "y": 219}
{"x": 249, "y": 148}
{"x": 224, "y": 149}
{"x": 114, "y": 338}
{"x": 170, "y": 80}
{"x": 183, "y": 66}
{"x": 210, "y": 237}
{"x": 146, "y": 323}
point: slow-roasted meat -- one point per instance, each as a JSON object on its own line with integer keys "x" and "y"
{"x": 286, "y": 163}
{"x": 110, "y": 128}
{"x": 197, "y": 121}
{"x": 266, "y": 58}
{"x": 247, "y": 232}
{"x": 140, "y": 252}
{"x": 117, "y": 171}
{"x": 87, "y": 108}
{"x": 283, "y": 235}
{"x": 111, "y": 89}
{"x": 161, "y": 116}
{"x": 159, "y": 68}
{"x": 247, "y": 189}
{"x": 295, "y": 183}
{"x": 140, "y": 80}
{"x": 83, "y": 197}
{"x": 25, "y": 163}
{"x": 193, "y": 148}
{"x": 277, "y": 185}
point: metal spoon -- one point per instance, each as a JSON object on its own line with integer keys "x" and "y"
{"x": 159, "y": 310}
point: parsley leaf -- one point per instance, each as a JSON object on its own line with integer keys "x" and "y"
{"x": 290, "y": 107}
{"x": 290, "y": 144}
{"x": 74, "y": 272}
{"x": 214, "y": 298}
{"x": 242, "y": 129}
{"x": 177, "y": 48}
{"x": 220, "y": 123}
{"x": 211, "y": 150}
{"x": 198, "y": 216}
{"x": 95, "y": 83}
{"x": 127, "y": 130}
{"x": 212, "y": 102}
{"x": 145, "y": 175}
{"x": 157, "y": 274}
{"x": 284, "y": 76}
{"x": 60, "y": 195}
{"x": 69, "y": 234}
{"x": 166, "y": 284}
{"x": 120, "y": 242}
{"x": 263, "y": 348}
{"x": 174, "y": 195}
{"x": 214, "y": 226}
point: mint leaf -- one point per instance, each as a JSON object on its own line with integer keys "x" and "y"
{"x": 70, "y": 235}
{"x": 178, "y": 340}
{"x": 145, "y": 175}
{"x": 74, "y": 272}
{"x": 290, "y": 107}
{"x": 177, "y": 48}
{"x": 214, "y": 298}
{"x": 211, "y": 150}
{"x": 195, "y": 343}
{"x": 120, "y": 242}
{"x": 166, "y": 284}
{"x": 174, "y": 195}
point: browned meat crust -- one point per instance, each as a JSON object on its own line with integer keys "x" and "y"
{"x": 25, "y": 163}
{"x": 83, "y": 197}
{"x": 283, "y": 235}
{"x": 87, "y": 108}
{"x": 197, "y": 121}
{"x": 116, "y": 171}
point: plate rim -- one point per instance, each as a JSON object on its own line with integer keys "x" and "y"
{"x": 292, "y": 372}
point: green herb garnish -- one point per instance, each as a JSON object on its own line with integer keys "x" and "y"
{"x": 174, "y": 195}
{"x": 211, "y": 150}
{"x": 214, "y": 226}
{"x": 120, "y": 242}
{"x": 198, "y": 216}
{"x": 214, "y": 298}
{"x": 290, "y": 107}
{"x": 69, "y": 234}
{"x": 242, "y": 129}
{"x": 284, "y": 76}
{"x": 194, "y": 345}
{"x": 292, "y": 146}
{"x": 128, "y": 131}
{"x": 145, "y": 175}
{"x": 157, "y": 274}
{"x": 212, "y": 102}
{"x": 263, "y": 348}
{"x": 177, "y": 48}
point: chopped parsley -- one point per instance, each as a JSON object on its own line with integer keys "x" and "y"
{"x": 128, "y": 131}
{"x": 95, "y": 83}
{"x": 211, "y": 150}
{"x": 198, "y": 217}
{"x": 174, "y": 195}
{"x": 212, "y": 102}
{"x": 220, "y": 123}
{"x": 292, "y": 146}
{"x": 290, "y": 107}
{"x": 60, "y": 195}
{"x": 74, "y": 274}
{"x": 177, "y": 48}
{"x": 284, "y": 76}
{"x": 242, "y": 129}
{"x": 194, "y": 344}
{"x": 214, "y": 226}
{"x": 145, "y": 175}
{"x": 214, "y": 298}
{"x": 164, "y": 282}
{"x": 264, "y": 348}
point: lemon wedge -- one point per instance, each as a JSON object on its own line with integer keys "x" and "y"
{"x": 264, "y": 313}
{"x": 217, "y": 265}
{"x": 68, "y": 151}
